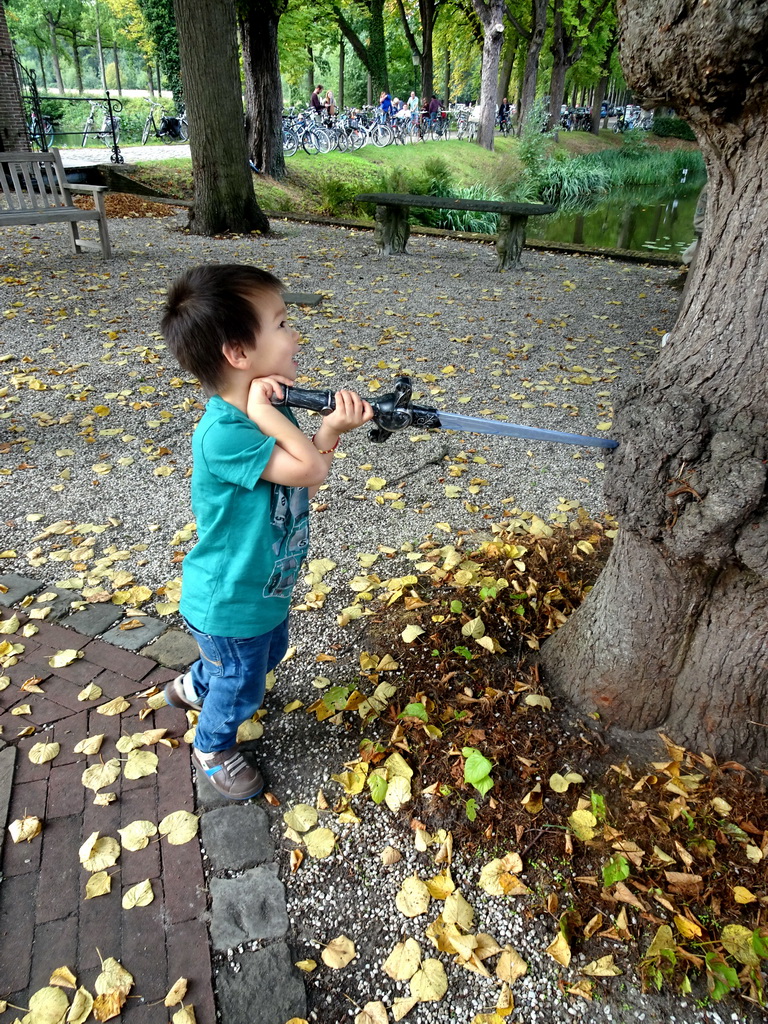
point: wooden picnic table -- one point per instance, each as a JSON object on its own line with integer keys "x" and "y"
{"x": 392, "y": 226}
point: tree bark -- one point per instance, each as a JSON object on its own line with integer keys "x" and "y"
{"x": 259, "y": 21}
{"x": 491, "y": 14}
{"x": 117, "y": 69}
{"x": 224, "y": 199}
{"x": 373, "y": 56}
{"x": 508, "y": 62}
{"x": 531, "y": 72}
{"x": 55, "y": 54}
{"x": 597, "y": 104}
{"x": 675, "y": 634}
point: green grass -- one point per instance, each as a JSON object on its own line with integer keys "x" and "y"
{"x": 570, "y": 174}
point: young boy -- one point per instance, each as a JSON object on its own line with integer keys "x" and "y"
{"x": 253, "y": 473}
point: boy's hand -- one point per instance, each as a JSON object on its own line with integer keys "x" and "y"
{"x": 263, "y": 388}
{"x": 351, "y": 412}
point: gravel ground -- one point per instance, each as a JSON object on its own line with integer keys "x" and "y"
{"x": 95, "y": 426}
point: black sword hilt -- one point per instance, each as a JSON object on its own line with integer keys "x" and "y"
{"x": 391, "y": 412}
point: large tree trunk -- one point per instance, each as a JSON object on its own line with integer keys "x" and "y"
{"x": 263, "y": 90}
{"x": 428, "y": 11}
{"x": 491, "y": 14}
{"x": 675, "y": 634}
{"x": 597, "y": 104}
{"x": 377, "y": 49}
{"x": 224, "y": 199}
{"x": 531, "y": 72}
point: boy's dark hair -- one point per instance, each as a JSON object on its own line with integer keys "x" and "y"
{"x": 209, "y": 306}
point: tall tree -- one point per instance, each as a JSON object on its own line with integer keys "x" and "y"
{"x": 224, "y": 198}
{"x": 675, "y": 633}
{"x": 534, "y": 34}
{"x": 259, "y": 22}
{"x": 572, "y": 25}
{"x": 372, "y": 55}
{"x": 160, "y": 22}
{"x": 422, "y": 52}
{"x": 491, "y": 14}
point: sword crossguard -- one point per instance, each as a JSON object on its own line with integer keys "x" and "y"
{"x": 393, "y": 411}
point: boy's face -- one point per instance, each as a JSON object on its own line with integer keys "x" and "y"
{"x": 277, "y": 344}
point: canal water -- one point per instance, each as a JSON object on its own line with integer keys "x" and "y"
{"x": 644, "y": 221}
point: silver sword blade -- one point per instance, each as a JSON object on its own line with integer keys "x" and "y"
{"x": 477, "y": 425}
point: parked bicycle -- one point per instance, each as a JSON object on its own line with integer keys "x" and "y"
{"x": 41, "y": 131}
{"x": 170, "y": 129}
{"x": 109, "y": 133}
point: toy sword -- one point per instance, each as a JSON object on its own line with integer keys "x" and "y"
{"x": 395, "y": 411}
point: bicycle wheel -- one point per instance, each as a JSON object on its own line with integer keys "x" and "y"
{"x": 183, "y": 130}
{"x": 356, "y": 139}
{"x": 290, "y": 142}
{"x": 145, "y": 132}
{"x": 382, "y": 135}
{"x": 309, "y": 143}
{"x": 324, "y": 140}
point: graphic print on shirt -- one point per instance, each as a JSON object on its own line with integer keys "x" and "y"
{"x": 289, "y": 514}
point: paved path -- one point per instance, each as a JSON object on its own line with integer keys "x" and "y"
{"x": 45, "y": 920}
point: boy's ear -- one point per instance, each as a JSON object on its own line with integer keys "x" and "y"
{"x": 235, "y": 353}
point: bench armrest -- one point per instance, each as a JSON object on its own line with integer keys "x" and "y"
{"x": 93, "y": 189}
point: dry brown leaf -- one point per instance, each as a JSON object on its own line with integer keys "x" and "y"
{"x": 25, "y": 829}
{"x": 372, "y": 1013}
{"x": 403, "y": 962}
{"x": 99, "y": 884}
{"x": 82, "y": 1004}
{"x": 186, "y": 1015}
{"x": 63, "y": 977}
{"x": 338, "y": 953}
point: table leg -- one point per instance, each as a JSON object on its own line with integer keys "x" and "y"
{"x": 392, "y": 230}
{"x": 509, "y": 242}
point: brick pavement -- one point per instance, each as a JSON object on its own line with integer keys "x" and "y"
{"x": 45, "y": 921}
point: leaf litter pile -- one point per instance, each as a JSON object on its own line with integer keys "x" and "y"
{"x": 661, "y": 867}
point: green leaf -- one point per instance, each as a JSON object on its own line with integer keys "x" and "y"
{"x": 721, "y": 979}
{"x": 598, "y": 806}
{"x": 616, "y": 870}
{"x": 760, "y": 942}
{"x": 457, "y": 607}
{"x": 477, "y": 770}
{"x": 471, "y": 806}
{"x": 464, "y": 652}
{"x": 378, "y": 786}
{"x": 415, "y": 711}
{"x": 336, "y": 697}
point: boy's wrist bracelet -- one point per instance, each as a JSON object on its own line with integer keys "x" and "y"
{"x": 326, "y": 451}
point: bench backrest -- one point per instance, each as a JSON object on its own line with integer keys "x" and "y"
{"x": 32, "y": 181}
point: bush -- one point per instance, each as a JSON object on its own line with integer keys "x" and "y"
{"x": 673, "y": 128}
{"x": 336, "y": 195}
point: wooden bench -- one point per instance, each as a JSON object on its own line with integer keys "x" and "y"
{"x": 392, "y": 227}
{"x": 34, "y": 190}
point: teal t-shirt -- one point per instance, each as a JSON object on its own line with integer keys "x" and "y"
{"x": 253, "y": 535}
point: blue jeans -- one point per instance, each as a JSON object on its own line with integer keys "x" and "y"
{"x": 229, "y": 679}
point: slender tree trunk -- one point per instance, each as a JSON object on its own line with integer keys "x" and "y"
{"x": 116, "y": 55}
{"x": 341, "y": 73}
{"x": 311, "y": 83}
{"x": 377, "y": 49}
{"x": 675, "y": 634}
{"x": 597, "y": 104}
{"x": 224, "y": 199}
{"x": 263, "y": 90}
{"x": 55, "y": 54}
{"x": 530, "y": 75}
{"x": 77, "y": 64}
{"x": 427, "y": 62}
{"x": 100, "y": 53}
{"x": 505, "y": 74}
{"x": 150, "y": 79}
{"x": 491, "y": 14}
{"x": 447, "y": 77}
{"x": 42, "y": 68}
